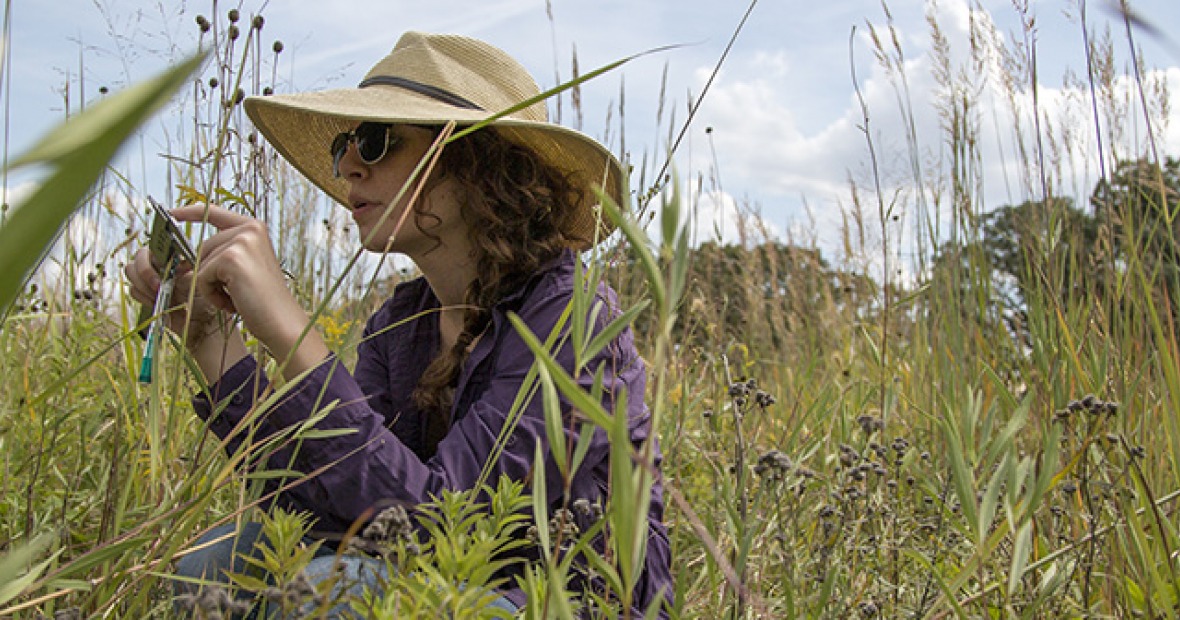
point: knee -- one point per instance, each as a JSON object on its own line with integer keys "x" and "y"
{"x": 217, "y": 552}
{"x": 351, "y": 575}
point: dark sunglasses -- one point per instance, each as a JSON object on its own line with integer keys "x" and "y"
{"x": 372, "y": 143}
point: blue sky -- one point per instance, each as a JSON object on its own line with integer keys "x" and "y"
{"x": 786, "y": 121}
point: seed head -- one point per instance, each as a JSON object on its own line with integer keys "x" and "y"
{"x": 870, "y": 424}
{"x": 203, "y": 24}
{"x": 848, "y": 456}
{"x": 212, "y": 601}
{"x": 382, "y": 535}
{"x": 805, "y": 472}
{"x": 773, "y": 465}
{"x": 583, "y": 507}
{"x": 234, "y": 32}
{"x": 562, "y": 525}
{"x": 277, "y": 47}
{"x": 233, "y": 16}
{"x": 257, "y": 22}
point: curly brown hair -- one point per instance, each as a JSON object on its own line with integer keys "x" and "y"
{"x": 516, "y": 206}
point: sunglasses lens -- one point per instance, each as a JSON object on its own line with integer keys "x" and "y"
{"x": 339, "y": 146}
{"x": 371, "y": 141}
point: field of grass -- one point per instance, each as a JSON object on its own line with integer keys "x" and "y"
{"x": 994, "y": 435}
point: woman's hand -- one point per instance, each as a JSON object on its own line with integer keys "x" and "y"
{"x": 210, "y": 335}
{"x": 237, "y": 272}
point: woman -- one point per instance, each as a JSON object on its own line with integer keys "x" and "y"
{"x": 493, "y": 229}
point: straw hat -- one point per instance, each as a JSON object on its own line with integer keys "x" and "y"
{"x": 432, "y": 79}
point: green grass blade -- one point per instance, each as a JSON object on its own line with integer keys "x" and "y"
{"x": 13, "y": 565}
{"x": 78, "y": 151}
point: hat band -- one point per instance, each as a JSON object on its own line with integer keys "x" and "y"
{"x": 422, "y": 89}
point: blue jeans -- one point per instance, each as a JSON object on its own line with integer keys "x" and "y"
{"x": 211, "y": 563}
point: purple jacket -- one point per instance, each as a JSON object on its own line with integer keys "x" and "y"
{"x": 381, "y": 463}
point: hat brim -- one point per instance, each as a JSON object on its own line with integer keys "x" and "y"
{"x": 301, "y": 128}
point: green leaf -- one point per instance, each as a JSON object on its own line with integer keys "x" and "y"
{"x": 639, "y": 244}
{"x": 991, "y": 497}
{"x": 325, "y": 433}
{"x": 578, "y": 397}
{"x": 273, "y": 474}
{"x": 963, "y": 478}
{"x": 77, "y": 151}
{"x": 540, "y": 510}
{"x": 554, "y": 428}
{"x": 1019, "y": 557}
{"x": 616, "y": 327}
{"x": 12, "y": 565}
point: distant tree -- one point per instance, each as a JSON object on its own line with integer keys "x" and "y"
{"x": 1045, "y": 250}
{"x": 1140, "y": 205}
{"x": 1052, "y": 251}
{"x": 1044, "y": 245}
{"x": 767, "y": 294}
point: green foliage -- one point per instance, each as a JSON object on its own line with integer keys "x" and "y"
{"x": 456, "y": 572}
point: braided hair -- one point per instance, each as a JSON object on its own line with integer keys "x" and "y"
{"x": 516, "y": 207}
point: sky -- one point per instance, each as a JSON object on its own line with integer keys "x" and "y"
{"x": 800, "y": 109}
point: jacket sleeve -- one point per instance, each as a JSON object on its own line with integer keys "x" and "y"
{"x": 368, "y": 466}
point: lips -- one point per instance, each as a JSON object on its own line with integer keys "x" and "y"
{"x": 360, "y": 206}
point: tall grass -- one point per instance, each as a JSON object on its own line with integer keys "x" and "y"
{"x": 838, "y": 442}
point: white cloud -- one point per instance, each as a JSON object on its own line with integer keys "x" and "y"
{"x": 769, "y": 147}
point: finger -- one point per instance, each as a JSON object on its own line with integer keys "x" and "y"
{"x": 249, "y": 235}
{"x": 142, "y": 277}
{"x": 220, "y": 218}
{"x": 211, "y": 286}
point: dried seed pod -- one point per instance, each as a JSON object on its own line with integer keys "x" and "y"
{"x": 870, "y": 423}
{"x": 277, "y": 47}
{"x": 233, "y": 16}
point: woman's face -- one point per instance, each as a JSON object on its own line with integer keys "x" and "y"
{"x": 373, "y": 187}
